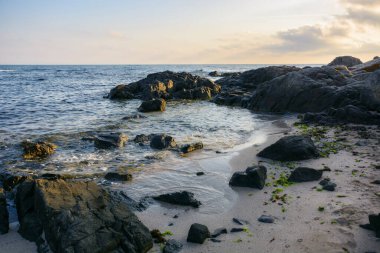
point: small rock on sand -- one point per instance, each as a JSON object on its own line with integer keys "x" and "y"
{"x": 198, "y": 233}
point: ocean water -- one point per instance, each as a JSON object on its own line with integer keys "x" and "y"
{"x": 63, "y": 104}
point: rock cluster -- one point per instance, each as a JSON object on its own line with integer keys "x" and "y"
{"x": 37, "y": 150}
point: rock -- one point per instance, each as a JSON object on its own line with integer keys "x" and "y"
{"x": 376, "y": 57}
{"x": 167, "y": 85}
{"x": 324, "y": 181}
{"x": 162, "y": 141}
{"x": 155, "y": 105}
{"x": 142, "y": 138}
{"x": 240, "y": 221}
{"x": 347, "y": 61}
{"x": 191, "y": 147}
{"x": 200, "y": 173}
{"x": 10, "y": 180}
{"x": 157, "y": 235}
{"x": 215, "y": 240}
{"x": 113, "y": 140}
{"x": 198, "y": 233}
{"x": 226, "y": 74}
{"x": 37, "y": 150}
{"x": 219, "y": 232}
{"x": 374, "y": 224}
{"x": 236, "y": 230}
{"x": 172, "y": 246}
{"x": 114, "y": 176}
{"x": 4, "y": 216}
{"x": 370, "y": 66}
{"x": 375, "y": 182}
{"x": 183, "y": 198}
{"x": 253, "y": 177}
{"x": 51, "y": 176}
{"x": 215, "y": 74}
{"x": 78, "y": 217}
{"x": 303, "y": 174}
{"x": 291, "y": 148}
{"x": 329, "y": 186}
{"x": 134, "y": 116}
{"x": 266, "y": 219}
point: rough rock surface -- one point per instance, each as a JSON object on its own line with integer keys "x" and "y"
{"x": 154, "y": 105}
{"x": 253, "y": 177}
{"x": 10, "y": 181}
{"x": 37, "y": 150}
{"x": 162, "y": 141}
{"x": 198, "y": 233}
{"x": 114, "y": 140}
{"x": 167, "y": 85}
{"x": 183, "y": 198}
{"x": 303, "y": 174}
{"x": 187, "y": 148}
{"x": 291, "y": 148}
{"x": 347, "y": 61}
{"x": 4, "y": 216}
{"x": 78, "y": 217}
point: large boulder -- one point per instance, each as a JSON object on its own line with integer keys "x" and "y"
{"x": 347, "y": 61}
{"x": 4, "y": 216}
{"x": 183, "y": 198}
{"x": 167, "y": 85}
{"x": 198, "y": 233}
{"x": 113, "y": 140}
{"x": 253, "y": 177}
{"x": 78, "y": 217}
{"x": 162, "y": 141}
{"x": 154, "y": 105}
{"x": 291, "y": 148}
{"x": 369, "y": 66}
{"x": 304, "y": 174}
{"x": 37, "y": 150}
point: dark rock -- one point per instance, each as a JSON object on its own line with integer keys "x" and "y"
{"x": 167, "y": 85}
{"x": 366, "y": 226}
{"x": 51, "y": 176}
{"x": 375, "y": 182}
{"x": 78, "y": 217}
{"x": 37, "y": 150}
{"x": 155, "y": 105}
{"x": 215, "y": 74}
{"x": 215, "y": 240}
{"x": 219, "y": 232}
{"x": 198, "y": 233}
{"x": 134, "y": 116}
{"x": 114, "y": 176}
{"x": 236, "y": 230}
{"x": 370, "y": 66}
{"x": 191, "y": 147}
{"x": 330, "y": 186}
{"x": 347, "y": 61}
{"x": 291, "y": 148}
{"x": 374, "y": 221}
{"x": 225, "y": 74}
{"x": 10, "y": 180}
{"x": 114, "y": 140}
{"x": 200, "y": 173}
{"x": 303, "y": 174}
{"x": 253, "y": 177}
{"x": 266, "y": 219}
{"x": 162, "y": 141}
{"x": 183, "y": 198}
{"x": 142, "y": 138}
{"x": 172, "y": 246}
{"x": 324, "y": 181}
{"x": 240, "y": 221}
{"x": 4, "y": 215}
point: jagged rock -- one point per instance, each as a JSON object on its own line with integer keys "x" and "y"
{"x": 198, "y": 233}
{"x": 348, "y": 61}
{"x": 291, "y": 148}
{"x": 114, "y": 176}
{"x": 172, "y": 246}
{"x": 37, "y": 150}
{"x": 155, "y": 105}
{"x": 253, "y": 177}
{"x": 183, "y": 198}
{"x": 4, "y": 216}
{"x": 114, "y": 140}
{"x": 78, "y": 217}
{"x": 303, "y": 174}
{"x": 167, "y": 85}
{"x": 162, "y": 141}
{"x": 187, "y": 148}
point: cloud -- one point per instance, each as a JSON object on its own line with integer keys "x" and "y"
{"x": 362, "y": 3}
{"x": 362, "y": 16}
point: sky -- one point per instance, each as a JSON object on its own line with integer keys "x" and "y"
{"x": 187, "y": 31}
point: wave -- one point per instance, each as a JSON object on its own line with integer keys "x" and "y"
{"x": 7, "y": 70}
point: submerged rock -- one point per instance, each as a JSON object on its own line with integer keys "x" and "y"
{"x": 198, "y": 233}
{"x": 4, "y": 216}
{"x": 114, "y": 176}
{"x": 155, "y": 105}
{"x": 37, "y": 150}
{"x": 253, "y": 177}
{"x": 114, "y": 140}
{"x": 172, "y": 246}
{"x": 187, "y": 148}
{"x": 347, "y": 61}
{"x": 304, "y": 174}
{"x": 291, "y": 148}
{"x": 162, "y": 141}
{"x": 183, "y": 198}
{"x": 78, "y": 217}
{"x": 134, "y": 116}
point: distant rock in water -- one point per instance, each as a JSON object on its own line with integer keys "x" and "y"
{"x": 187, "y": 148}
{"x": 114, "y": 140}
{"x": 154, "y": 105}
{"x": 114, "y": 176}
{"x": 183, "y": 198}
{"x": 303, "y": 174}
{"x": 37, "y": 150}
{"x": 162, "y": 141}
{"x": 225, "y": 74}
{"x": 253, "y": 177}
{"x": 78, "y": 217}
{"x": 347, "y": 61}
{"x": 4, "y": 216}
{"x": 291, "y": 148}
{"x": 167, "y": 85}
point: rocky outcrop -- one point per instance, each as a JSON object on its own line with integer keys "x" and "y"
{"x": 167, "y": 85}
{"x": 253, "y": 177}
{"x": 114, "y": 140}
{"x": 154, "y": 105}
{"x": 347, "y": 61}
{"x": 4, "y": 216}
{"x": 183, "y": 198}
{"x": 37, "y": 150}
{"x": 369, "y": 66}
{"x": 303, "y": 174}
{"x": 78, "y": 217}
{"x": 198, "y": 233}
{"x": 162, "y": 141}
{"x": 291, "y": 148}
{"x": 10, "y": 180}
